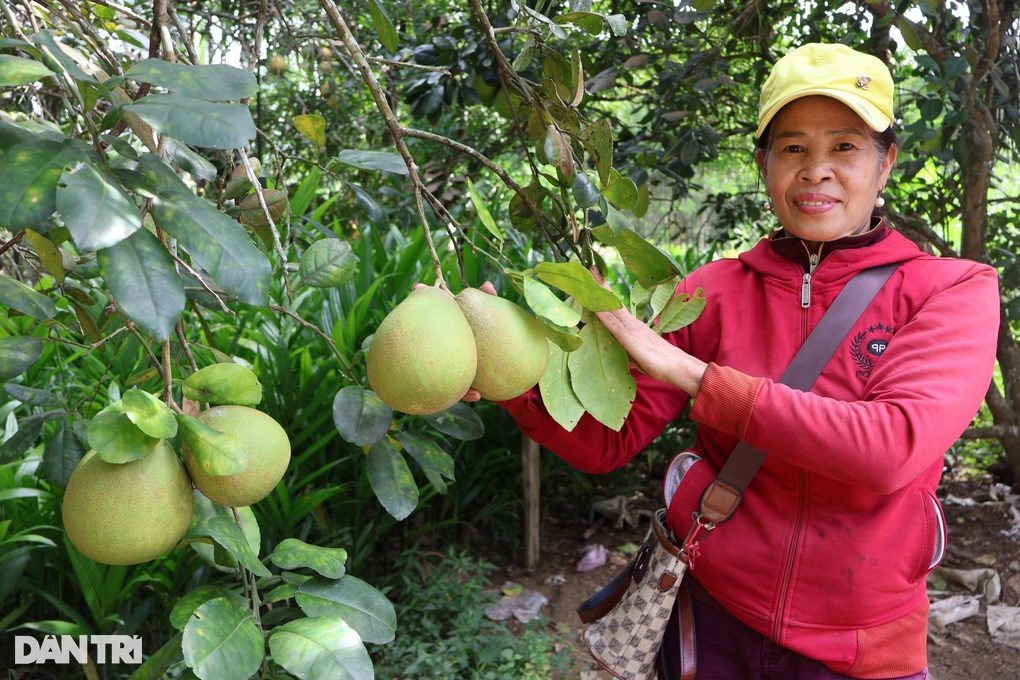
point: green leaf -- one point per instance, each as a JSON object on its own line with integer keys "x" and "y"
{"x": 224, "y": 530}
{"x": 225, "y": 383}
{"x": 360, "y": 416}
{"x": 483, "y": 212}
{"x": 28, "y": 301}
{"x": 217, "y": 243}
{"x": 61, "y": 454}
{"x": 210, "y": 82}
{"x": 590, "y": 22}
{"x": 391, "y": 479}
{"x": 59, "y": 57}
{"x": 221, "y": 641}
{"x": 682, "y": 311}
{"x": 545, "y": 304}
{"x": 17, "y": 354}
{"x": 376, "y": 214}
{"x": 97, "y": 213}
{"x": 557, "y": 394}
{"x": 156, "y": 666}
{"x": 31, "y": 395}
{"x": 16, "y": 71}
{"x": 597, "y": 139}
{"x": 292, "y": 553}
{"x": 321, "y": 647}
{"x": 327, "y": 263}
{"x": 373, "y": 160}
{"x": 151, "y": 415}
{"x": 313, "y": 127}
{"x": 50, "y": 257}
{"x": 205, "y": 510}
{"x": 190, "y": 161}
{"x": 459, "y": 421}
{"x": 435, "y": 463}
{"x": 621, "y": 191}
{"x": 28, "y": 194}
{"x": 575, "y": 280}
{"x": 586, "y": 194}
{"x": 567, "y": 339}
{"x": 600, "y": 376}
{"x": 383, "y": 27}
{"x": 29, "y": 429}
{"x": 186, "y": 606}
{"x": 649, "y": 265}
{"x": 142, "y": 278}
{"x": 196, "y": 122}
{"x": 115, "y": 438}
{"x": 217, "y": 453}
{"x": 360, "y": 605}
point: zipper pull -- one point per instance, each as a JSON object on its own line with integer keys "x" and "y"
{"x": 805, "y": 286}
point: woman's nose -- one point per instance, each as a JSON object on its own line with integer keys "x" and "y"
{"x": 816, "y": 168}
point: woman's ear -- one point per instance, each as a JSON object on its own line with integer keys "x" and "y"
{"x": 759, "y": 158}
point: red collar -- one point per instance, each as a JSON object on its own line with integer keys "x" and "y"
{"x": 793, "y": 249}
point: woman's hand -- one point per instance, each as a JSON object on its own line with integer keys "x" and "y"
{"x": 652, "y": 354}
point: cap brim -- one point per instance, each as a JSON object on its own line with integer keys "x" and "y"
{"x": 869, "y": 113}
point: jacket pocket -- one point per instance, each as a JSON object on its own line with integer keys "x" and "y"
{"x": 936, "y": 535}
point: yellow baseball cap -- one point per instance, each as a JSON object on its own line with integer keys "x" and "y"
{"x": 859, "y": 80}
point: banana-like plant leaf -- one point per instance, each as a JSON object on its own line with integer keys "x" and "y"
{"x": 557, "y": 394}
{"x": 28, "y": 301}
{"x": 292, "y": 553}
{"x": 210, "y": 125}
{"x": 97, "y": 213}
{"x": 143, "y": 280}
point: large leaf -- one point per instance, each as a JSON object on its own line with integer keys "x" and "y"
{"x": 598, "y": 142}
{"x": 359, "y": 604}
{"x": 28, "y": 301}
{"x": 435, "y": 463}
{"x": 545, "y": 304}
{"x": 115, "y": 438}
{"x": 383, "y": 27}
{"x": 186, "y": 606}
{"x": 196, "y": 122}
{"x": 143, "y": 280}
{"x": 649, "y": 265}
{"x": 321, "y": 647}
{"x": 217, "y": 243}
{"x": 216, "y": 82}
{"x": 17, "y": 354}
{"x": 224, "y": 530}
{"x": 682, "y": 311}
{"x": 28, "y": 194}
{"x": 58, "y": 55}
{"x": 61, "y": 454}
{"x": 312, "y": 126}
{"x": 391, "y": 479}
{"x": 557, "y": 394}
{"x": 600, "y": 376}
{"x": 151, "y": 415}
{"x": 15, "y": 71}
{"x": 459, "y": 421}
{"x": 483, "y": 212}
{"x": 205, "y": 510}
{"x": 293, "y": 553}
{"x": 574, "y": 280}
{"x": 386, "y": 161}
{"x": 217, "y": 453}
{"x": 222, "y": 642}
{"x": 327, "y": 263}
{"x": 97, "y": 213}
{"x": 225, "y": 383}
{"x": 360, "y": 415}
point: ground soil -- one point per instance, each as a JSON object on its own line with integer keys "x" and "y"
{"x": 964, "y": 650}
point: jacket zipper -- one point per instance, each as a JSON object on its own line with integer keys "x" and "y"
{"x": 777, "y": 626}
{"x": 805, "y": 286}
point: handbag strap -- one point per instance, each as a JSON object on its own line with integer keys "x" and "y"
{"x": 720, "y": 499}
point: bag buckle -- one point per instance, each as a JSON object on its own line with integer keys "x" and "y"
{"x": 641, "y": 561}
{"x": 690, "y": 547}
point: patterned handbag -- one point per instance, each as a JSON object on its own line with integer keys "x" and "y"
{"x": 628, "y": 618}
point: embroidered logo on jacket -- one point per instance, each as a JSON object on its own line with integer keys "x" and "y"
{"x": 868, "y": 345}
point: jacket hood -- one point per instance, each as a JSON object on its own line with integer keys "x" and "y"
{"x": 773, "y": 256}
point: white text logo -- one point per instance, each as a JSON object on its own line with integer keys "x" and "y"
{"x": 64, "y": 648}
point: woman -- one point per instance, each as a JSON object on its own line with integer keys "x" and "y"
{"x": 821, "y": 572}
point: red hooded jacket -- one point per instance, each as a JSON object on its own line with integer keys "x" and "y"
{"x": 828, "y": 553}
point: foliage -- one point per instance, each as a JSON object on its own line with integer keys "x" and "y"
{"x": 441, "y": 601}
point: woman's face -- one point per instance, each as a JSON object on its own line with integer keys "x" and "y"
{"x": 823, "y": 169}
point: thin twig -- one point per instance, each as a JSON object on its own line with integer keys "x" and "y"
{"x": 318, "y": 331}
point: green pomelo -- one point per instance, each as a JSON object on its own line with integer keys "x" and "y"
{"x": 266, "y": 444}
{"x": 128, "y": 513}
{"x": 512, "y": 348}
{"x": 422, "y": 358}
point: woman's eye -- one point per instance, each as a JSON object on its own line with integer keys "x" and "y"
{"x": 845, "y": 146}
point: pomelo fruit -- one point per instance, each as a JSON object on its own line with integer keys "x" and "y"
{"x": 512, "y": 348}
{"x": 130, "y": 512}
{"x": 268, "y": 449}
{"x": 422, "y": 359}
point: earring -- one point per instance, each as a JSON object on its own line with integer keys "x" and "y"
{"x": 767, "y": 205}
{"x": 879, "y": 202}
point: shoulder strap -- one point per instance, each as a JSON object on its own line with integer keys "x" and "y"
{"x": 721, "y": 498}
